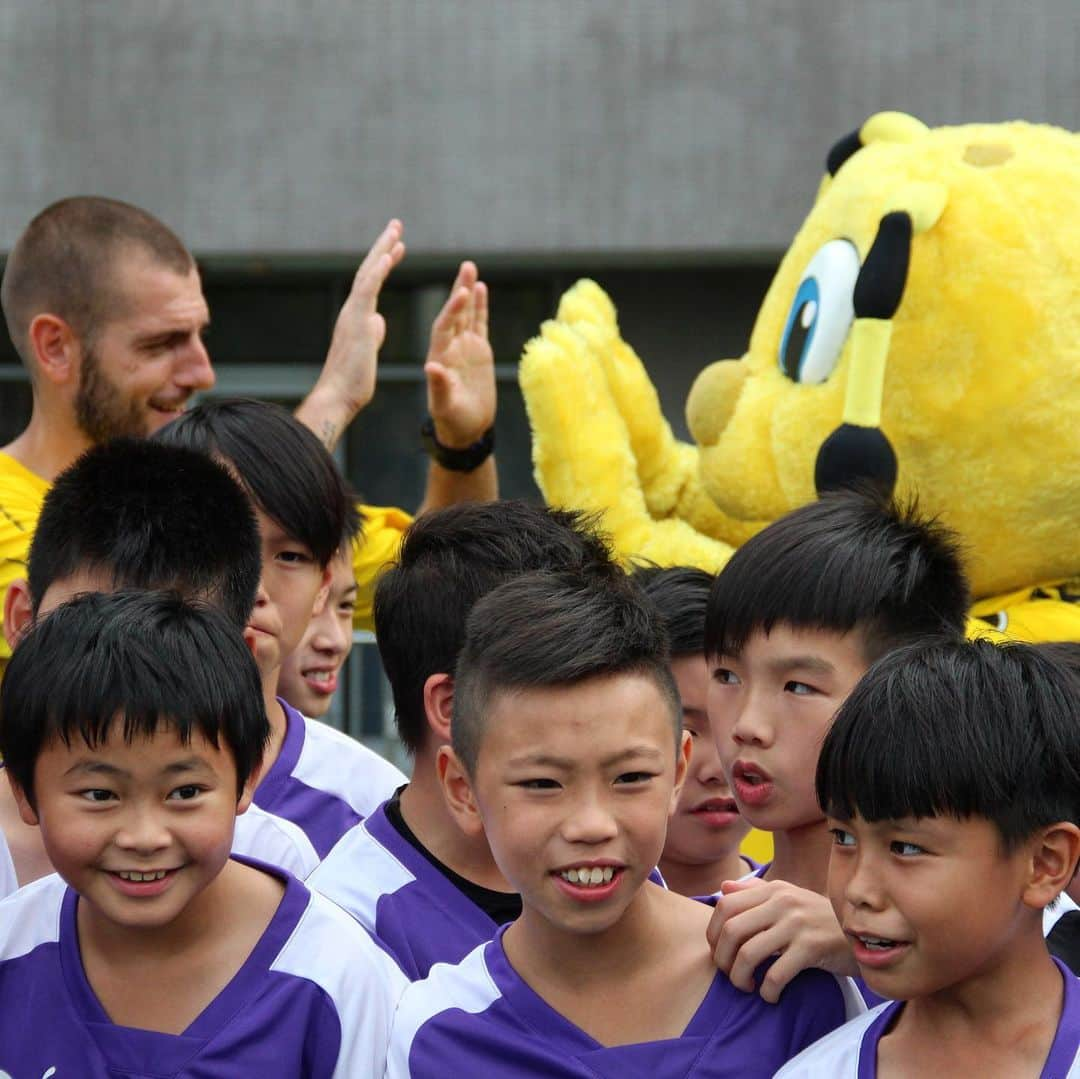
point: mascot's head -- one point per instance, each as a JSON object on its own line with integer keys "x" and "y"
{"x": 922, "y": 334}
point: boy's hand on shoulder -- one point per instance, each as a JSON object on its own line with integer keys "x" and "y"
{"x": 756, "y": 919}
{"x": 460, "y": 366}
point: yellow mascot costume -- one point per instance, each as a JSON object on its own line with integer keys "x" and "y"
{"x": 922, "y": 332}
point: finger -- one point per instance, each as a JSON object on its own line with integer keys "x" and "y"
{"x": 444, "y": 328}
{"x": 736, "y": 928}
{"x": 466, "y": 276}
{"x": 480, "y": 310}
{"x": 386, "y": 243}
{"x": 756, "y": 950}
{"x": 731, "y": 887}
{"x": 780, "y": 973}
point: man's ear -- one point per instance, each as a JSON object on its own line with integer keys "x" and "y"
{"x": 56, "y": 348}
{"x": 458, "y": 792}
{"x": 439, "y": 706}
{"x": 682, "y": 765}
{"x": 1055, "y": 852}
{"x": 26, "y": 810}
{"x": 18, "y": 611}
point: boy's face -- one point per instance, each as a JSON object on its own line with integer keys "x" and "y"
{"x": 291, "y": 589}
{"x": 706, "y": 825}
{"x": 137, "y": 829}
{"x": 770, "y": 708}
{"x": 309, "y": 676}
{"x": 925, "y": 903}
{"x": 578, "y": 780}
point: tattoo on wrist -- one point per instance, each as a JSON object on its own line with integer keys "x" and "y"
{"x": 329, "y": 434}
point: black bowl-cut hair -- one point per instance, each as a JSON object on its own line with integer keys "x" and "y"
{"x": 543, "y": 630}
{"x": 450, "y": 558}
{"x": 961, "y": 729}
{"x": 130, "y": 662}
{"x": 148, "y": 515}
{"x": 285, "y": 469}
{"x": 848, "y": 561}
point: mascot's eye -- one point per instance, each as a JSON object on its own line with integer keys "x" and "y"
{"x": 821, "y": 313}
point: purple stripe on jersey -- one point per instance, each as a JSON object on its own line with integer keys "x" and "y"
{"x": 323, "y": 816}
{"x": 428, "y": 920}
{"x": 731, "y": 1034}
{"x": 1063, "y": 1049}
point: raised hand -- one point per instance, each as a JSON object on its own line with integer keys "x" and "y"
{"x": 460, "y": 366}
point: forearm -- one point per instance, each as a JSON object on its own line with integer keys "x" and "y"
{"x": 444, "y": 487}
{"x": 327, "y": 413}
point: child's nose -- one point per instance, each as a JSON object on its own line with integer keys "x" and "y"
{"x": 142, "y": 831}
{"x": 590, "y": 822}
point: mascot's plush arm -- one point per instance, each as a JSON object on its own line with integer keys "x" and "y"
{"x": 601, "y": 443}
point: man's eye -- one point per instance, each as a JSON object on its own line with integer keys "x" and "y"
{"x": 800, "y": 689}
{"x": 725, "y": 676}
{"x": 97, "y": 794}
{"x": 906, "y": 850}
{"x": 842, "y": 838}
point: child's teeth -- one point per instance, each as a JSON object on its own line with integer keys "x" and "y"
{"x": 586, "y": 875}
{"x": 132, "y": 875}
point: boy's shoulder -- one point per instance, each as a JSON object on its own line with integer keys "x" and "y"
{"x": 837, "y": 1054}
{"x": 400, "y": 897}
{"x": 275, "y": 840}
{"x": 30, "y": 917}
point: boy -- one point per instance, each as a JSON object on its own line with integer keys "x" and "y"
{"x": 132, "y": 727}
{"x": 795, "y": 618}
{"x": 426, "y": 890}
{"x": 567, "y": 753}
{"x": 133, "y": 514}
{"x": 318, "y": 778}
{"x": 951, "y": 777}
{"x": 309, "y": 674}
{"x": 703, "y": 837}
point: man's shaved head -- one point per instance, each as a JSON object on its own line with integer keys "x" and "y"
{"x": 63, "y": 264}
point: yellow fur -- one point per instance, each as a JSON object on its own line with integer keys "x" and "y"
{"x": 980, "y": 396}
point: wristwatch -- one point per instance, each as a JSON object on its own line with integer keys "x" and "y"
{"x": 466, "y": 460}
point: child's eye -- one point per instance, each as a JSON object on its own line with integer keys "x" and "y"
{"x": 905, "y": 849}
{"x": 97, "y": 794}
{"x": 347, "y": 607}
{"x": 842, "y": 838}
{"x": 800, "y": 689}
{"x": 725, "y": 676}
{"x": 185, "y": 793}
{"x": 538, "y": 784}
{"x": 294, "y": 557}
{"x": 634, "y": 777}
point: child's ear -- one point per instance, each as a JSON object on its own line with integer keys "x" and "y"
{"x": 1055, "y": 852}
{"x": 458, "y": 791}
{"x": 247, "y": 792}
{"x": 439, "y": 706}
{"x": 682, "y": 765}
{"x": 18, "y": 611}
{"x": 26, "y": 811}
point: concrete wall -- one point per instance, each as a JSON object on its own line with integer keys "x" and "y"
{"x": 493, "y": 125}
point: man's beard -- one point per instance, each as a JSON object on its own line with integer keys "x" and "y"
{"x": 101, "y": 411}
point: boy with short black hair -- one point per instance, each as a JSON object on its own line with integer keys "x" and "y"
{"x": 951, "y": 777}
{"x": 316, "y": 777}
{"x": 706, "y": 829}
{"x": 135, "y": 514}
{"x": 568, "y": 755}
{"x": 429, "y": 892}
{"x": 132, "y": 725}
{"x": 795, "y": 618}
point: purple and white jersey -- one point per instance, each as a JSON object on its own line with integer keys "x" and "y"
{"x": 315, "y": 998}
{"x": 275, "y": 840}
{"x": 851, "y": 1051}
{"x": 9, "y": 882}
{"x": 480, "y": 1018}
{"x": 324, "y": 781}
{"x": 403, "y": 900}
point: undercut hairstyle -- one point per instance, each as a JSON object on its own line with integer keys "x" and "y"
{"x": 64, "y": 264}
{"x": 285, "y": 469}
{"x": 849, "y": 561}
{"x": 681, "y": 595}
{"x": 128, "y": 663}
{"x": 545, "y": 630}
{"x": 149, "y": 516}
{"x": 449, "y": 559}
{"x": 959, "y": 729}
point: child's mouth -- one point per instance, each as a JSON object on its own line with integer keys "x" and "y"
{"x": 753, "y": 786}
{"x": 142, "y": 883}
{"x": 871, "y": 951}
{"x": 589, "y": 883}
{"x": 718, "y": 812}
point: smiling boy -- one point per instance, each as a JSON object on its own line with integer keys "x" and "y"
{"x": 568, "y": 754}
{"x": 951, "y": 777}
{"x": 132, "y": 728}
